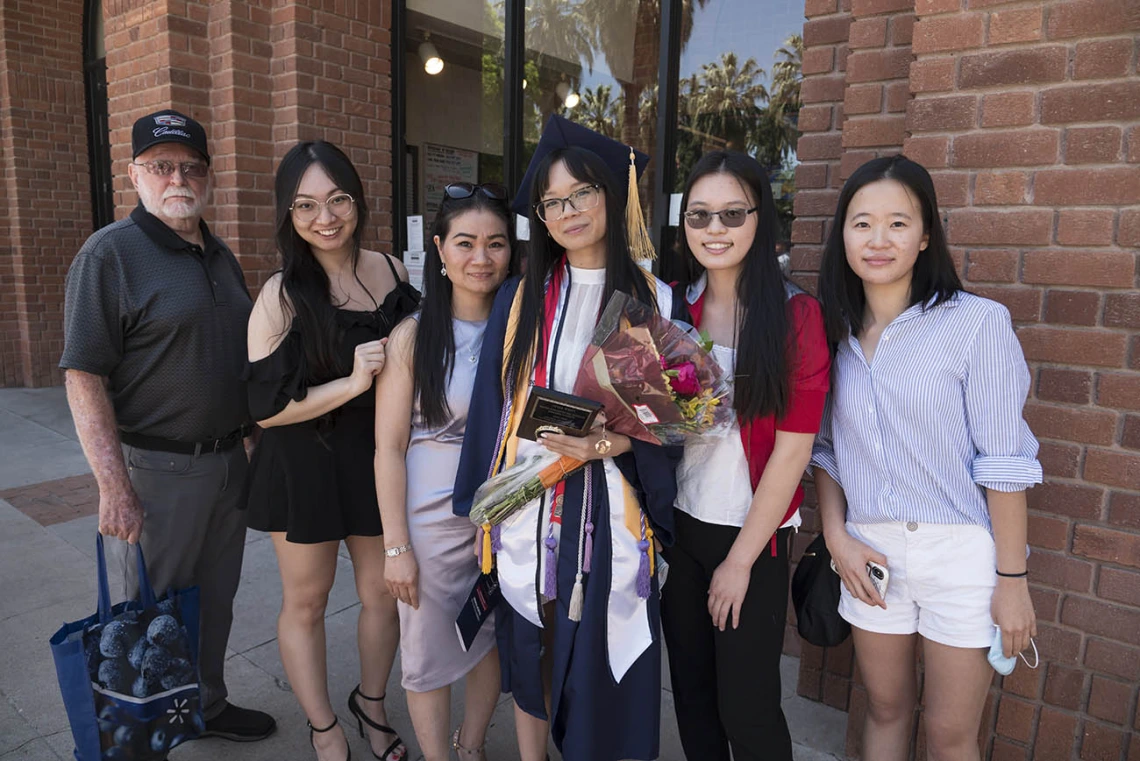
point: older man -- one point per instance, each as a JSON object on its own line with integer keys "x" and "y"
{"x": 154, "y": 346}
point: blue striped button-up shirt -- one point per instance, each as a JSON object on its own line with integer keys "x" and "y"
{"x": 935, "y": 416}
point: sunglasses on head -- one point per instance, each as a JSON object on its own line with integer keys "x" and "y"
{"x": 699, "y": 219}
{"x": 459, "y": 190}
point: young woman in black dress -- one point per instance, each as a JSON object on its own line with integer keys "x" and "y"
{"x": 316, "y": 344}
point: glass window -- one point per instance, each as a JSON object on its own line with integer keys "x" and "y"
{"x": 454, "y": 99}
{"x": 740, "y": 88}
{"x": 595, "y": 63}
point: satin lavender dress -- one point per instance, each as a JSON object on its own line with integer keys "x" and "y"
{"x": 430, "y": 654}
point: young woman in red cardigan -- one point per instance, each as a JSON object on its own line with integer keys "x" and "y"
{"x": 724, "y": 605}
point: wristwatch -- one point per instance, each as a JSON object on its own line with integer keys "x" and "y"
{"x": 394, "y": 551}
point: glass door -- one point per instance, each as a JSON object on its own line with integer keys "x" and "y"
{"x": 594, "y": 62}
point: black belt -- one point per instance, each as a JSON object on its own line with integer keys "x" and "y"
{"x": 211, "y": 446}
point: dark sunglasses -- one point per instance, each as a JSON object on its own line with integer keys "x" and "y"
{"x": 699, "y": 219}
{"x": 459, "y": 190}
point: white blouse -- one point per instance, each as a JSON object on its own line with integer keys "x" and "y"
{"x": 713, "y": 481}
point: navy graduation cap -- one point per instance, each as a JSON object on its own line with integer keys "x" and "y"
{"x": 621, "y": 159}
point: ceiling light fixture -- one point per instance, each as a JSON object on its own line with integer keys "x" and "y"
{"x": 568, "y": 98}
{"x": 433, "y": 64}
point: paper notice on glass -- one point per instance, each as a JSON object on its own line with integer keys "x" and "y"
{"x": 674, "y": 209}
{"x": 415, "y": 232}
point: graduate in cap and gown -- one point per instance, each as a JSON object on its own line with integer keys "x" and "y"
{"x": 579, "y": 627}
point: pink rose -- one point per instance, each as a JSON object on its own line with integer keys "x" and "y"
{"x": 685, "y": 381}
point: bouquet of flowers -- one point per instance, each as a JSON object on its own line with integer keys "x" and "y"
{"x": 658, "y": 383}
{"x": 503, "y": 495}
{"x": 657, "y": 380}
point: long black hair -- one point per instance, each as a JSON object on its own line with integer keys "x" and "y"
{"x": 305, "y": 288}
{"x": 434, "y": 354}
{"x": 935, "y": 278}
{"x": 622, "y": 273}
{"x": 764, "y": 355}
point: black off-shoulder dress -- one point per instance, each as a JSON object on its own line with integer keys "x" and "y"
{"x": 314, "y": 480}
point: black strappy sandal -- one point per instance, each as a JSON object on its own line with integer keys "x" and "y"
{"x": 363, "y": 718}
{"x": 313, "y": 729}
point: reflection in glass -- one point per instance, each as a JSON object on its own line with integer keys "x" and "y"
{"x": 454, "y": 101}
{"x": 727, "y": 97}
{"x": 595, "y": 63}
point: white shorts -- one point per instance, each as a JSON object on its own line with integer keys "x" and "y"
{"x": 942, "y": 579}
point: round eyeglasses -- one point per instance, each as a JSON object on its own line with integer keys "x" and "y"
{"x": 195, "y": 170}
{"x": 552, "y": 209}
{"x": 457, "y": 191}
{"x": 305, "y": 210}
{"x": 699, "y": 219}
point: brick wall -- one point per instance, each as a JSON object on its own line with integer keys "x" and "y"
{"x": 46, "y": 205}
{"x": 259, "y": 75}
{"x": 1028, "y": 116}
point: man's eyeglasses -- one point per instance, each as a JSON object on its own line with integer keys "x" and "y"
{"x": 457, "y": 191}
{"x": 193, "y": 169}
{"x": 305, "y": 210}
{"x": 552, "y": 209}
{"x": 699, "y": 219}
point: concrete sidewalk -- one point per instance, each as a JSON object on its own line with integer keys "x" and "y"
{"x": 47, "y": 578}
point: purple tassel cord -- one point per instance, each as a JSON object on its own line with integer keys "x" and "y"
{"x": 496, "y": 539}
{"x": 588, "y": 553}
{"x": 643, "y": 585}
{"x": 550, "y": 582}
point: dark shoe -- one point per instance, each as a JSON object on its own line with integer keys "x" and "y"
{"x": 240, "y": 724}
{"x": 397, "y": 750}
{"x": 313, "y": 729}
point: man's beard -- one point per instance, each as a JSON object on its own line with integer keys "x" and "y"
{"x": 175, "y": 203}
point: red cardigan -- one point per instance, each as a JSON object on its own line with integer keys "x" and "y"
{"x": 810, "y": 379}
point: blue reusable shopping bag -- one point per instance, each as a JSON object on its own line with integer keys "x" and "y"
{"x": 129, "y": 673}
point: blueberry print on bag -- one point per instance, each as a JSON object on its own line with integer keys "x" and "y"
{"x": 129, "y": 674}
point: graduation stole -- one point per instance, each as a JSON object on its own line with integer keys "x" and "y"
{"x": 506, "y": 453}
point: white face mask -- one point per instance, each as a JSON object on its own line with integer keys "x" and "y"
{"x": 1004, "y": 665}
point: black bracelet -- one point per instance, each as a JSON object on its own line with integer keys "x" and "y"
{"x": 1021, "y": 575}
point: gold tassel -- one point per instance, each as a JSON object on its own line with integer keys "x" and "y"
{"x": 575, "y": 613}
{"x": 486, "y": 548}
{"x": 640, "y": 244}
{"x": 652, "y": 551}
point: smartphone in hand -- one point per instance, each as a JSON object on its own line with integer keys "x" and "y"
{"x": 879, "y": 576}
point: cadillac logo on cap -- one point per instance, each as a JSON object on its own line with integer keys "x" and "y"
{"x": 170, "y": 120}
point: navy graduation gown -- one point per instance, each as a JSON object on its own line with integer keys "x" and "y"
{"x": 595, "y": 718}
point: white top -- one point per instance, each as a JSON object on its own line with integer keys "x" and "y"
{"x": 577, "y": 326}
{"x": 713, "y": 482}
{"x": 582, "y": 308}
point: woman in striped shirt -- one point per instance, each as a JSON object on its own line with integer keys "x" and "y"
{"x": 921, "y": 464}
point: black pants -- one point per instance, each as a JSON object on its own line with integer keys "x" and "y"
{"x": 726, "y": 685}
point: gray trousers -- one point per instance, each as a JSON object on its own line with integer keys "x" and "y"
{"x": 193, "y": 534}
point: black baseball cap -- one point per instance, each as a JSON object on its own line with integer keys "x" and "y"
{"x": 168, "y": 126}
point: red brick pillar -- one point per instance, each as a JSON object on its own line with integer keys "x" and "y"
{"x": 259, "y": 76}
{"x": 241, "y": 130}
{"x": 44, "y": 183}
{"x": 158, "y": 56}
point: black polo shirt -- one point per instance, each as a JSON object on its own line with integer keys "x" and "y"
{"x": 165, "y": 321}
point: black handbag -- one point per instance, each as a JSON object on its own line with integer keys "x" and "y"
{"x": 815, "y": 595}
